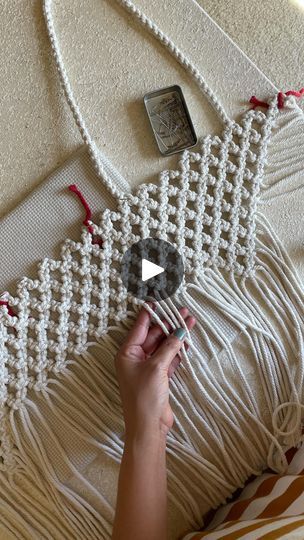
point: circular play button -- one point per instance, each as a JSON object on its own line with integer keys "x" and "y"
{"x": 152, "y": 269}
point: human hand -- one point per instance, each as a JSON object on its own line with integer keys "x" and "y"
{"x": 144, "y": 364}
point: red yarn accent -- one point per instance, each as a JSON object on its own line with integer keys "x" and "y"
{"x": 9, "y": 309}
{"x": 281, "y": 95}
{"x": 280, "y": 100}
{"x": 88, "y": 212}
{"x": 257, "y": 103}
{"x": 84, "y": 203}
{"x": 295, "y": 93}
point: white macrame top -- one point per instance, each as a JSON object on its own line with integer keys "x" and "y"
{"x": 237, "y": 395}
{"x": 206, "y": 208}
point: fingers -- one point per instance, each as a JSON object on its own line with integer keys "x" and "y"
{"x": 139, "y": 332}
{"x": 190, "y": 322}
{"x": 156, "y": 334}
{"x": 169, "y": 348}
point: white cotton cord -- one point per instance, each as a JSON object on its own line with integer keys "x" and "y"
{"x": 178, "y": 319}
{"x": 231, "y": 422}
{"x": 289, "y": 309}
{"x": 237, "y": 314}
{"x": 161, "y": 307}
{"x": 25, "y": 417}
{"x": 89, "y": 371}
{"x": 275, "y": 246}
{"x": 74, "y": 522}
{"x": 112, "y": 449}
{"x": 178, "y": 502}
{"x": 110, "y": 445}
{"x": 223, "y": 341}
{"x": 17, "y": 520}
{"x": 289, "y": 405}
{"x": 10, "y": 524}
{"x": 225, "y": 344}
{"x": 91, "y": 420}
{"x": 103, "y": 169}
{"x": 192, "y": 436}
{"x": 253, "y": 305}
{"x": 281, "y": 267}
{"x": 271, "y": 300}
{"x": 263, "y": 428}
{"x": 195, "y": 434}
{"x": 195, "y": 470}
{"x": 181, "y": 402}
{"x": 177, "y": 53}
{"x": 34, "y": 505}
{"x": 296, "y": 292}
{"x": 198, "y": 465}
{"x": 233, "y": 313}
{"x": 289, "y": 325}
{"x": 191, "y": 508}
{"x": 89, "y": 514}
{"x": 274, "y": 385}
{"x": 114, "y": 190}
{"x": 30, "y": 521}
{"x": 23, "y": 520}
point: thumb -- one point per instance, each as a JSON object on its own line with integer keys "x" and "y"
{"x": 169, "y": 348}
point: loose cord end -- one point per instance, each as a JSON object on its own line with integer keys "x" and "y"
{"x": 88, "y": 217}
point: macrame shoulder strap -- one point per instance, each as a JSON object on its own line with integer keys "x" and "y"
{"x": 178, "y": 54}
{"x": 108, "y": 174}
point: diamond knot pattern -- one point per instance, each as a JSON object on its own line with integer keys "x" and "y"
{"x": 205, "y": 208}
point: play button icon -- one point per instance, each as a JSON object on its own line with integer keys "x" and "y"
{"x": 152, "y": 269}
{"x": 149, "y": 270}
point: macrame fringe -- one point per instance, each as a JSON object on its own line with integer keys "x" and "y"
{"x": 223, "y": 433}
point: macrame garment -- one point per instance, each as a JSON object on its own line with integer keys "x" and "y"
{"x": 240, "y": 285}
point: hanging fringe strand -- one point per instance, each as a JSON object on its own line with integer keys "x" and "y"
{"x": 224, "y": 432}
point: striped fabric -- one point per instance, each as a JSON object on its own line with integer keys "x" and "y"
{"x": 269, "y": 507}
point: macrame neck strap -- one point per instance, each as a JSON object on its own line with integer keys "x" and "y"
{"x": 113, "y": 180}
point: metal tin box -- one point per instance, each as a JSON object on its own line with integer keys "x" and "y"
{"x": 170, "y": 120}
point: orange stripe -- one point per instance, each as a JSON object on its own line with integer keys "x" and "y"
{"x": 281, "y": 503}
{"x": 234, "y": 535}
{"x": 264, "y": 489}
{"x": 250, "y": 528}
{"x": 273, "y": 535}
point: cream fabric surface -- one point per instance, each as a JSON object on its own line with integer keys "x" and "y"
{"x": 36, "y": 123}
{"x": 36, "y": 228}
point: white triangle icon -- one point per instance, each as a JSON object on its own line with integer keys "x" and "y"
{"x": 149, "y": 269}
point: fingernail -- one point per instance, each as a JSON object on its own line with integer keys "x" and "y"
{"x": 180, "y": 333}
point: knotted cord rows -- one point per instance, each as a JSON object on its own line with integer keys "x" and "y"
{"x": 205, "y": 208}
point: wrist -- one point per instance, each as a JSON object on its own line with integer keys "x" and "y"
{"x": 147, "y": 434}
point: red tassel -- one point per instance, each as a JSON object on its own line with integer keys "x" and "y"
{"x": 88, "y": 212}
{"x": 257, "y": 103}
